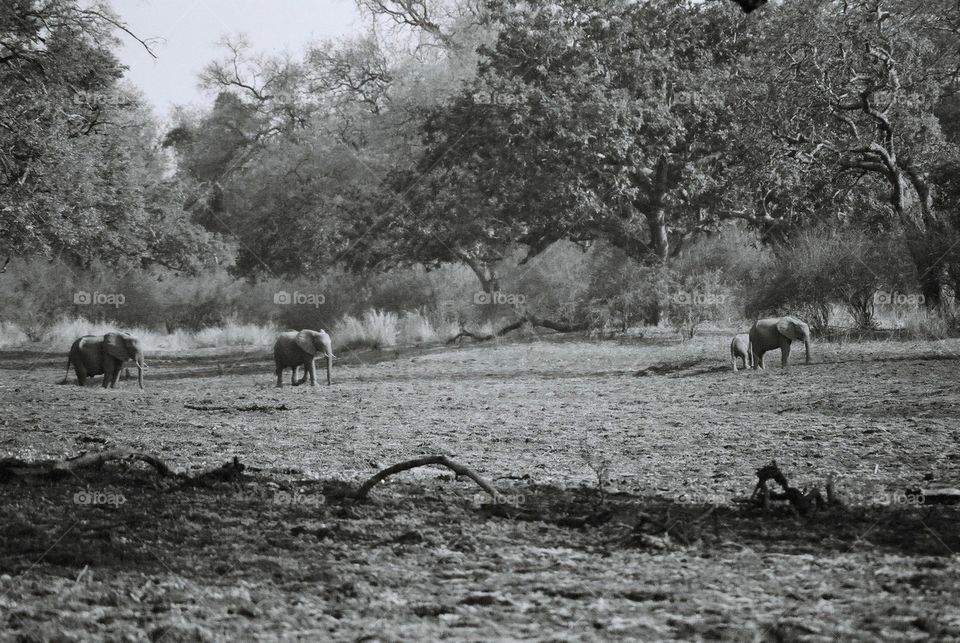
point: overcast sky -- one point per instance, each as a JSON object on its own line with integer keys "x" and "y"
{"x": 188, "y": 30}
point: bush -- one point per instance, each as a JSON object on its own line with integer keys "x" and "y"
{"x": 696, "y": 298}
{"x": 620, "y": 293}
{"x": 932, "y": 324}
{"x": 11, "y": 335}
{"x": 376, "y": 329}
{"x": 820, "y": 266}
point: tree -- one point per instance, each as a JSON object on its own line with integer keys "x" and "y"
{"x": 80, "y": 176}
{"x": 851, "y": 94}
{"x": 585, "y": 122}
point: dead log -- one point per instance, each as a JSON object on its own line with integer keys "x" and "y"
{"x": 936, "y": 495}
{"x": 231, "y": 471}
{"x": 560, "y": 327}
{"x": 13, "y": 468}
{"x": 442, "y": 460}
{"x": 803, "y": 501}
{"x": 483, "y": 337}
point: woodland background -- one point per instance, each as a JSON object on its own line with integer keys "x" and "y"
{"x": 604, "y": 165}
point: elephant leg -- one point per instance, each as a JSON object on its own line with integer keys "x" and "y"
{"x": 298, "y": 382}
{"x": 311, "y": 367}
{"x": 279, "y": 372}
{"x": 116, "y": 375}
{"x": 81, "y": 372}
{"x": 293, "y": 375}
{"x": 108, "y": 368}
{"x": 784, "y": 352}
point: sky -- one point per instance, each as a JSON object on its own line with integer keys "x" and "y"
{"x": 184, "y": 36}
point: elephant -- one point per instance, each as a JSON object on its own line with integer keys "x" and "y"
{"x": 105, "y": 355}
{"x": 740, "y": 348}
{"x": 777, "y": 332}
{"x": 293, "y": 349}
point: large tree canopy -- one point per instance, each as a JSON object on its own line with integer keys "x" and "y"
{"x": 586, "y": 121}
{"x": 80, "y": 174}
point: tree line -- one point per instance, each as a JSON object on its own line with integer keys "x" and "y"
{"x": 466, "y": 131}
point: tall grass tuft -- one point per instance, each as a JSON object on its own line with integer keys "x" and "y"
{"x": 11, "y": 335}
{"x": 375, "y": 329}
{"x": 61, "y": 334}
{"x": 925, "y": 324}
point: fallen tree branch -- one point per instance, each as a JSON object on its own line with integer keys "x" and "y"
{"x": 560, "y": 327}
{"x": 13, "y": 468}
{"x": 442, "y": 460}
{"x": 803, "y": 501}
{"x": 483, "y": 337}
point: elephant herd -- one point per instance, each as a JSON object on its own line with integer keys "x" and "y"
{"x": 767, "y": 335}
{"x": 105, "y": 355}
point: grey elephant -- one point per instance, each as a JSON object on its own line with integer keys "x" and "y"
{"x": 777, "y": 332}
{"x": 104, "y": 355}
{"x": 293, "y": 349}
{"x": 740, "y": 348}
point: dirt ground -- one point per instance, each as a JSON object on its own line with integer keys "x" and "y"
{"x": 663, "y": 549}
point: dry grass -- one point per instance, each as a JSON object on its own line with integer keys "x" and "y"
{"x": 382, "y": 329}
{"x": 62, "y": 333}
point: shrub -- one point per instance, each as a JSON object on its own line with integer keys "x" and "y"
{"x": 696, "y": 298}
{"x": 620, "y": 292}
{"x": 376, "y": 329}
{"x": 819, "y": 266}
{"x": 11, "y": 335}
{"x": 925, "y": 324}
{"x": 416, "y": 328}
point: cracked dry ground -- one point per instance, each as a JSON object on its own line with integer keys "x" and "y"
{"x": 282, "y": 555}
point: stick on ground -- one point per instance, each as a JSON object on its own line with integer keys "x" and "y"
{"x": 56, "y": 468}
{"x": 443, "y": 460}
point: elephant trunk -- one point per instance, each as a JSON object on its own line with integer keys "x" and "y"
{"x": 329, "y": 363}
{"x": 806, "y": 345}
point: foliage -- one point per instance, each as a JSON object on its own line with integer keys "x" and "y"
{"x": 79, "y": 175}
{"x": 820, "y": 266}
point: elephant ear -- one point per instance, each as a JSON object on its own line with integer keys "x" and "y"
{"x": 115, "y": 346}
{"x": 304, "y": 340}
{"x": 789, "y": 328}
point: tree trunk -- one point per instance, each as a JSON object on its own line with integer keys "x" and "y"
{"x": 930, "y": 266}
{"x": 659, "y": 242}
{"x": 925, "y": 235}
{"x": 485, "y": 272}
